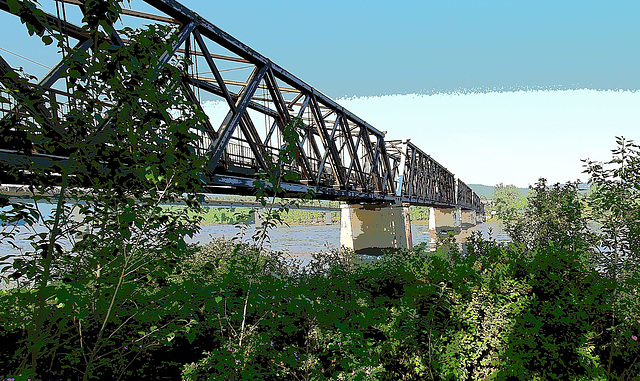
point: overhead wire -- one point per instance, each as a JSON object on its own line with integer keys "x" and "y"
{"x": 234, "y": 68}
{"x": 25, "y": 58}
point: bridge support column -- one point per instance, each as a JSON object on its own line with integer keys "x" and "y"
{"x": 79, "y": 218}
{"x": 368, "y": 229}
{"x": 76, "y": 215}
{"x": 445, "y": 219}
{"x": 258, "y": 217}
{"x": 328, "y": 218}
{"x": 469, "y": 218}
{"x": 407, "y": 225}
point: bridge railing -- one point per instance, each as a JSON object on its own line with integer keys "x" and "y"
{"x": 465, "y": 195}
{"x": 420, "y": 179}
{"x": 50, "y": 99}
{"x": 32, "y": 106}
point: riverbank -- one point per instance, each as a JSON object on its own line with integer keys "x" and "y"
{"x": 234, "y": 216}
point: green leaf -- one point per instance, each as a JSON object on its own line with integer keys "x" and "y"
{"x": 14, "y": 6}
{"x": 191, "y": 336}
{"x": 343, "y": 329}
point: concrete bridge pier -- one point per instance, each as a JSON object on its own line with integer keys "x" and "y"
{"x": 258, "y": 217}
{"x": 445, "y": 219}
{"x": 79, "y": 219}
{"x": 469, "y": 218}
{"x": 368, "y": 229}
{"x": 76, "y": 216}
{"x": 328, "y": 218}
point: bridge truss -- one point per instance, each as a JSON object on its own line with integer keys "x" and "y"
{"x": 339, "y": 155}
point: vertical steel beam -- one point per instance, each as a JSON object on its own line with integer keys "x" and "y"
{"x": 327, "y": 151}
{"x": 220, "y": 144}
{"x": 411, "y": 172}
{"x": 183, "y": 34}
{"x": 328, "y": 142}
{"x": 386, "y": 165}
{"x": 353, "y": 151}
{"x": 214, "y": 68}
{"x": 401, "y": 169}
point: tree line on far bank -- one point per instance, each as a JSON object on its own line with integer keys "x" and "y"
{"x": 506, "y": 203}
{"x": 292, "y": 216}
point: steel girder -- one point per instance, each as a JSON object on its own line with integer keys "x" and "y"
{"x": 338, "y": 156}
{"x": 422, "y": 180}
{"x": 464, "y": 195}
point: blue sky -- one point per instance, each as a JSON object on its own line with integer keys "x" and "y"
{"x": 364, "y": 48}
{"x": 360, "y": 48}
{"x": 528, "y": 84}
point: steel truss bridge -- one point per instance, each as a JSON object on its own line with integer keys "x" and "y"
{"x": 339, "y": 155}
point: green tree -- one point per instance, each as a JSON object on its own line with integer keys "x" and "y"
{"x": 127, "y": 139}
{"x": 508, "y": 200}
{"x": 553, "y": 215}
{"x": 614, "y": 203}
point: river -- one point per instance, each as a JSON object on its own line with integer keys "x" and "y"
{"x": 305, "y": 239}
{"x": 298, "y": 240}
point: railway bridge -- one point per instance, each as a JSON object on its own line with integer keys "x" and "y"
{"x": 338, "y": 155}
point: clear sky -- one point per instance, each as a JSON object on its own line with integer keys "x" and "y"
{"x": 348, "y": 48}
{"x": 497, "y": 91}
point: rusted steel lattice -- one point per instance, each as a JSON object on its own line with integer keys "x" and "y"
{"x": 339, "y": 155}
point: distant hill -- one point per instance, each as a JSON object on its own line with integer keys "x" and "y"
{"x": 487, "y": 190}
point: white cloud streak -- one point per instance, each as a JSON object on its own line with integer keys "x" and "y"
{"x": 510, "y": 137}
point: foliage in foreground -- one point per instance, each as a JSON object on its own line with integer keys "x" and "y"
{"x": 121, "y": 147}
{"x": 542, "y": 308}
{"x": 497, "y": 311}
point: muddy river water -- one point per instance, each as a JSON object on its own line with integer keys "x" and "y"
{"x": 305, "y": 239}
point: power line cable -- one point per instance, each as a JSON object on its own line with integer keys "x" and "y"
{"x": 25, "y": 58}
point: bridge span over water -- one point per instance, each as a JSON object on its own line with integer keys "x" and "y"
{"x": 338, "y": 156}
